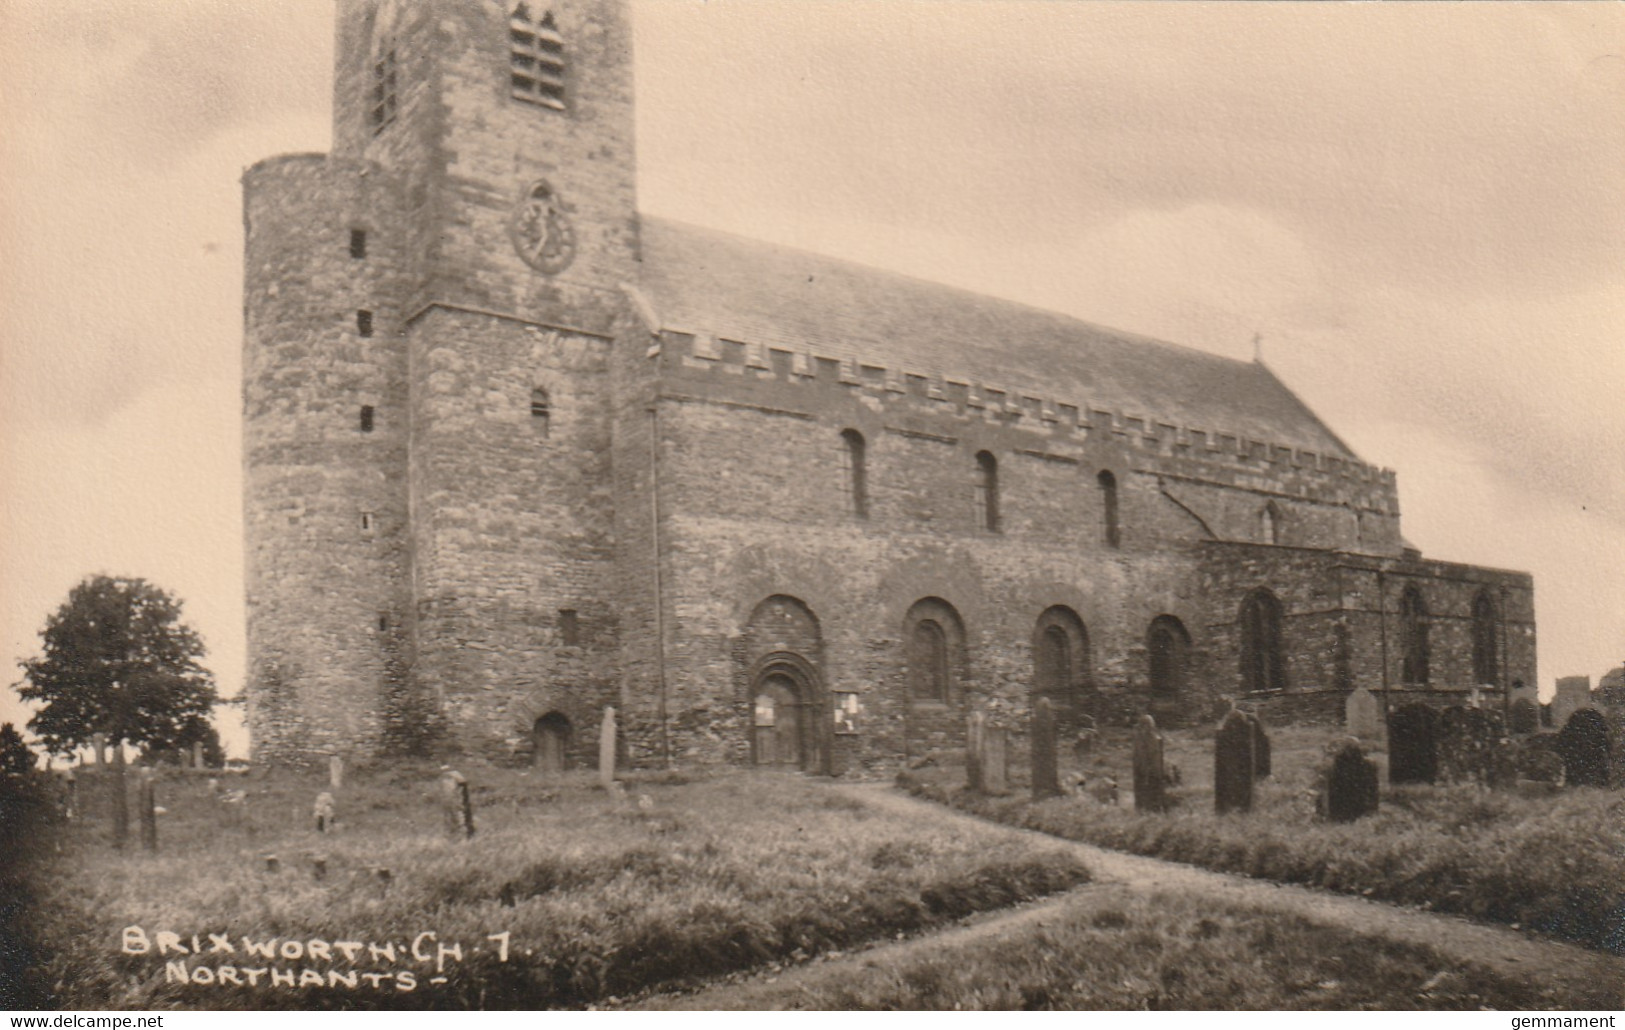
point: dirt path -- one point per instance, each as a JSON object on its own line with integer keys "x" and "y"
{"x": 1510, "y": 954}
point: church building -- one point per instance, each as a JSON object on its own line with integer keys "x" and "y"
{"x": 515, "y": 452}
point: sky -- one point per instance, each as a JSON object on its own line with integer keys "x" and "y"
{"x": 1417, "y": 207}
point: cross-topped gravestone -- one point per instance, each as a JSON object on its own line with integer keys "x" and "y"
{"x": 606, "y": 748}
{"x": 1150, "y": 777}
{"x": 1233, "y": 764}
{"x": 1362, "y": 715}
{"x": 1046, "y": 763}
{"x": 1583, "y": 746}
{"x": 1413, "y": 744}
{"x": 1351, "y": 788}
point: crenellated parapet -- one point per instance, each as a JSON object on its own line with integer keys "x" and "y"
{"x": 1067, "y": 425}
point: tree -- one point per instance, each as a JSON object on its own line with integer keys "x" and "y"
{"x": 118, "y": 661}
{"x": 16, "y": 757}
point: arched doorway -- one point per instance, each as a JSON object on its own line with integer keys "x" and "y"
{"x": 551, "y": 739}
{"x": 778, "y": 723}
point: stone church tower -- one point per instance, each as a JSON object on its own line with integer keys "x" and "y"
{"x": 514, "y": 452}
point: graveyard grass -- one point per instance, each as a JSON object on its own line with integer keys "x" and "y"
{"x": 602, "y": 896}
{"x": 1553, "y": 863}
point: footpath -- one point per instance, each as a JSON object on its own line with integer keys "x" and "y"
{"x": 1570, "y": 970}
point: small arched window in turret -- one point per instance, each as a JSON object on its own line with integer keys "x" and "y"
{"x": 541, "y": 412}
{"x": 535, "y": 57}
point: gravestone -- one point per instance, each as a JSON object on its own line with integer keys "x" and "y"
{"x": 974, "y": 732}
{"x": 1524, "y": 717}
{"x": 1261, "y": 748}
{"x": 1466, "y": 742}
{"x": 995, "y": 757}
{"x": 456, "y": 806}
{"x": 1046, "y": 763}
{"x": 1362, "y": 715}
{"x": 335, "y": 772}
{"x": 1351, "y": 788}
{"x": 606, "y": 748}
{"x": 1413, "y": 744}
{"x": 322, "y": 812}
{"x": 1150, "y": 778}
{"x": 1233, "y": 764}
{"x": 197, "y": 754}
{"x": 149, "y": 810}
{"x": 1583, "y": 746}
{"x": 100, "y": 742}
{"x": 120, "y": 799}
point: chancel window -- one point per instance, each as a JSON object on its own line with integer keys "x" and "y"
{"x": 536, "y": 57}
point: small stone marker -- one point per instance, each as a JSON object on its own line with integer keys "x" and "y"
{"x": 995, "y": 767}
{"x": 1583, "y": 746}
{"x": 335, "y": 772}
{"x": 1351, "y": 789}
{"x": 100, "y": 742}
{"x": 1524, "y": 717}
{"x": 197, "y": 754}
{"x": 1233, "y": 764}
{"x": 975, "y": 730}
{"x": 120, "y": 798}
{"x": 318, "y": 867}
{"x": 323, "y": 812}
{"x": 149, "y": 810}
{"x": 456, "y": 805}
{"x": 606, "y": 748}
{"x": 1046, "y": 763}
{"x": 1413, "y": 744}
{"x": 1362, "y": 715}
{"x": 1261, "y": 748}
{"x": 1150, "y": 778}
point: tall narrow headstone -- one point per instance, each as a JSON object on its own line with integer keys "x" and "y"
{"x": 995, "y": 758}
{"x": 456, "y": 808}
{"x": 1413, "y": 744}
{"x": 1046, "y": 763}
{"x": 1351, "y": 789}
{"x": 1583, "y": 746}
{"x": 335, "y": 772}
{"x": 149, "y": 810}
{"x": 100, "y": 742}
{"x": 1233, "y": 764}
{"x": 975, "y": 731}
{"x": 1150, "y": 776}
{"x": 120, "y": 798}
{"x": 606, "y": 748}
{"x": 197, "y": 754}
{"x": 1362, "y": 715}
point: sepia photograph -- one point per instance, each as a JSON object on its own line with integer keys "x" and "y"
{"x": 835, "y": 505}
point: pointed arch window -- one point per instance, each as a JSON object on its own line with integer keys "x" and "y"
{"x": 1486, "y": 669}
{"x": 855, "y": 465}
{"x": 1263, "y": 659}
{"x": 1108, "y": 508}
{"x": 1269, "y": 524}
{"x": 987, "y": 491}
{"x": 1413, "y": 636}
{"x": 535, "y": 57}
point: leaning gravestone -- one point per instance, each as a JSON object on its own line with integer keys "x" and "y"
{"x": 1150, "y": 778}
{"x": 1233, "y": 764}
{"x": 1583, "y": 746}
{"x": 1362, "y": 715}
{"x": 606, "y": 748}
{"x": 1046, "y": 763}
{"x": 1413, "y": 744}
{"x": 149, "y": 811}
{"x": 975, "y": 729}
{"x": 455, "y": 805}
{"x": 1351, "y": 789}
{"x": 1261, "y": 748}
{"x": 995, "y": 767}
{"x": 1524, "y": 717}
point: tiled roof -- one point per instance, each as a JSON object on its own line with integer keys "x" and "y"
{"x": 701, "y": 280}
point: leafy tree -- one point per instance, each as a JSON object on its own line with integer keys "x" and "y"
{"x": 118, "y": 661}
{"x": 16, "y": 756}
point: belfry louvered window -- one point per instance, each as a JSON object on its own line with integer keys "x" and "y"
{"x": 536, "y": 53}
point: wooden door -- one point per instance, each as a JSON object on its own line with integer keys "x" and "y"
{"x": 778, "y": 723}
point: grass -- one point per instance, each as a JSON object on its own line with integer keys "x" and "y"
{"x": 600, "y": 896}
{"x": 1171, "y": 951}
{"x": 1554, "y": 864}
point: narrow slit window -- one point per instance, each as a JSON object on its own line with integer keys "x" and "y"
{"x": 1108, "y": 505}
{"x": 854, "y": 458}
{"x": 363, "y": 323}
{"x": 358, "y": 243}
{"x": 987, "y": 491}
{"x": 383, "y": 622}
{"x": 368, "y": 522}
{"x": 536, "y": 58}
{"x": 366, "y": 418}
